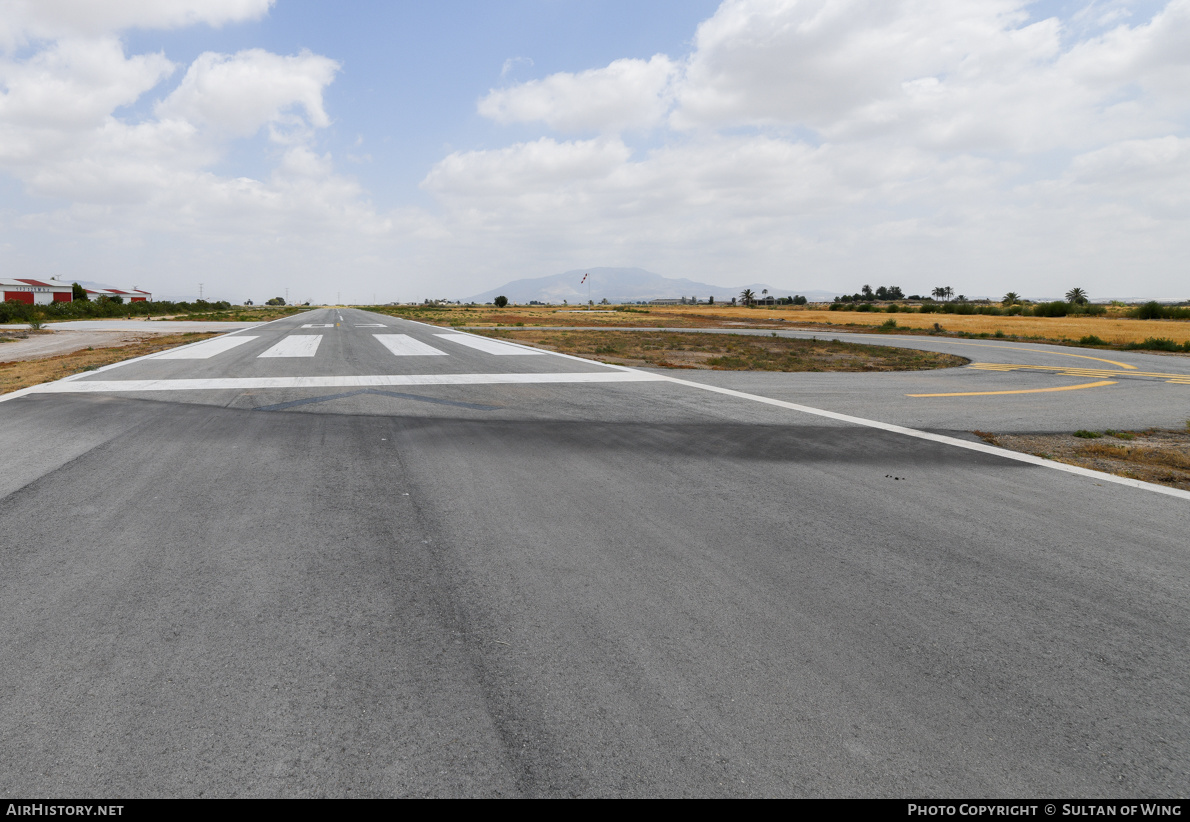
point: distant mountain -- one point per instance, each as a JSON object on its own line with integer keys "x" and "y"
{"x": 620, "y": 285}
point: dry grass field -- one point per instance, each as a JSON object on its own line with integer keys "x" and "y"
{"x": 1112, "y": 328}
{"x": 726, "y": 352}
{"x": 17, "y": 375}
{"x": 1155, "y": 455}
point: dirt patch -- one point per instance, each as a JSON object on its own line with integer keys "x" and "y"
{"x": 36, "y": 345}
{"x": 17, "y": 375}
{"x": 1160, "y": 456}
{"x": 727, "y": 352}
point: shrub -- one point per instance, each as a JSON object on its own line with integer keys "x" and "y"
{"x": 1154, "y": 344}
{"x": 999, "y": 334}
{"x": 501, "y": 301}
{"x": 1054, "y": 309}
{"x": 1087, "y": 435}
{"x": 865, "y": 307}
{"x": 893, "y": 309}
{"x": 888, "y": 325}
{"x": 1091, "y": 339}
{"x": 1151, "y": 310}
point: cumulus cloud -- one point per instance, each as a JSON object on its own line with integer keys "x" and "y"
{"x": 49, "y": 19}
{"x": 908, "y": 135}
{"x": 68, "y": 134}
{"x": 237, "y": 95}
{"x": 628, "y": 94}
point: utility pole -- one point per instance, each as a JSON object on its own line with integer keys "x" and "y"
{"x": 200, "y": 291}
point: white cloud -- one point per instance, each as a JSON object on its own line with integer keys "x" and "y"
{"x": 51, "y": 19}
{"x": 128, "y": 180}
{"x": 628, "y": 94}
{"x": 846, "y": 137}
{"x": 237, "y": 95}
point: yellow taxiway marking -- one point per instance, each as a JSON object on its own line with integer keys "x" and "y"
{"x": 1069, "y": 371}
{"x": 1021, "y": 391}
{"x": 1123, "y": 365}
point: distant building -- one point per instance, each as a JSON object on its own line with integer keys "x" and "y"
{"x": 36, "y": 292}
{"x": 133, "y": 295}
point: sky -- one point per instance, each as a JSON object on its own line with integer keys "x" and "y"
{"x": 390, "y": 150}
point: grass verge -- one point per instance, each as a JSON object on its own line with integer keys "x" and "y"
{"x": 17, "y": 375}
{"x": 1157, "y": 455}
{"x": 726, "y": 352}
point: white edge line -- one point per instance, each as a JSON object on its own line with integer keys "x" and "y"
{"x": 983, "y": 448}
{"x": 40, "y": 387}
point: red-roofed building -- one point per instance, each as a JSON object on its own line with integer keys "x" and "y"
{"x": 132, "y": 295}
{"x": 36, "y": 292}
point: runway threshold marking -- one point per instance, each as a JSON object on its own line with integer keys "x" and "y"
{"x": 205, "y": 350}
{"x": 494, "y": 347}
{"x": 1020, "y": 391}
{"x": 295, "y": 345}
{"x": 402, "y": 345}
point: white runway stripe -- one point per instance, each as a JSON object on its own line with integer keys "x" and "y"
{"x": 205, "y": 350}
{"x": 383, "y": 380}
{"x": 402, "y": 345}
{"x": 295, "y": 345}
{"x": 489, "y": 346}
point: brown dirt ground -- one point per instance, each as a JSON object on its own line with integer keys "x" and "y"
{"x": 35, "y": 345}
{"x": 17, "y": 375}
{"x": 1160, "y": 456}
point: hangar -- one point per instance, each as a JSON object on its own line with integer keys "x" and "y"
{"x": 133, "y": 295}
{"x": 44, "y": 292}
{"x": 36, "y": 292}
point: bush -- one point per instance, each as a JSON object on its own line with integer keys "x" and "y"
{"x": 1152, "y": 310}
{"x": 888, "y": 325}
{"x": 865, "y": 307}
{"x": 1087, "y": 435}
{"x": 1054, "y": 309}
{"x": 1091, "y": 339}
{"x": 893, "y": 309}
{"x": 501, "y": 301}
{"x": 1157, "y": 344}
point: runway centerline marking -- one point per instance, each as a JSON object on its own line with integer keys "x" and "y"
{"x": 1019, "y": 391}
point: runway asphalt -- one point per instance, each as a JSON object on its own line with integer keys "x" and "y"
{"x": 348, "y": 572}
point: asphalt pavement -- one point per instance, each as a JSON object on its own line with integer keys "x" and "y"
{"x": 430, "y": 565}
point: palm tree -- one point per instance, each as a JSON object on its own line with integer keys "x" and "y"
{"x": 1010, "y": 299}
{"x": 747, "y": 296}
{"x": 940, "y": 292}
{"x": 1076, "y": 296}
